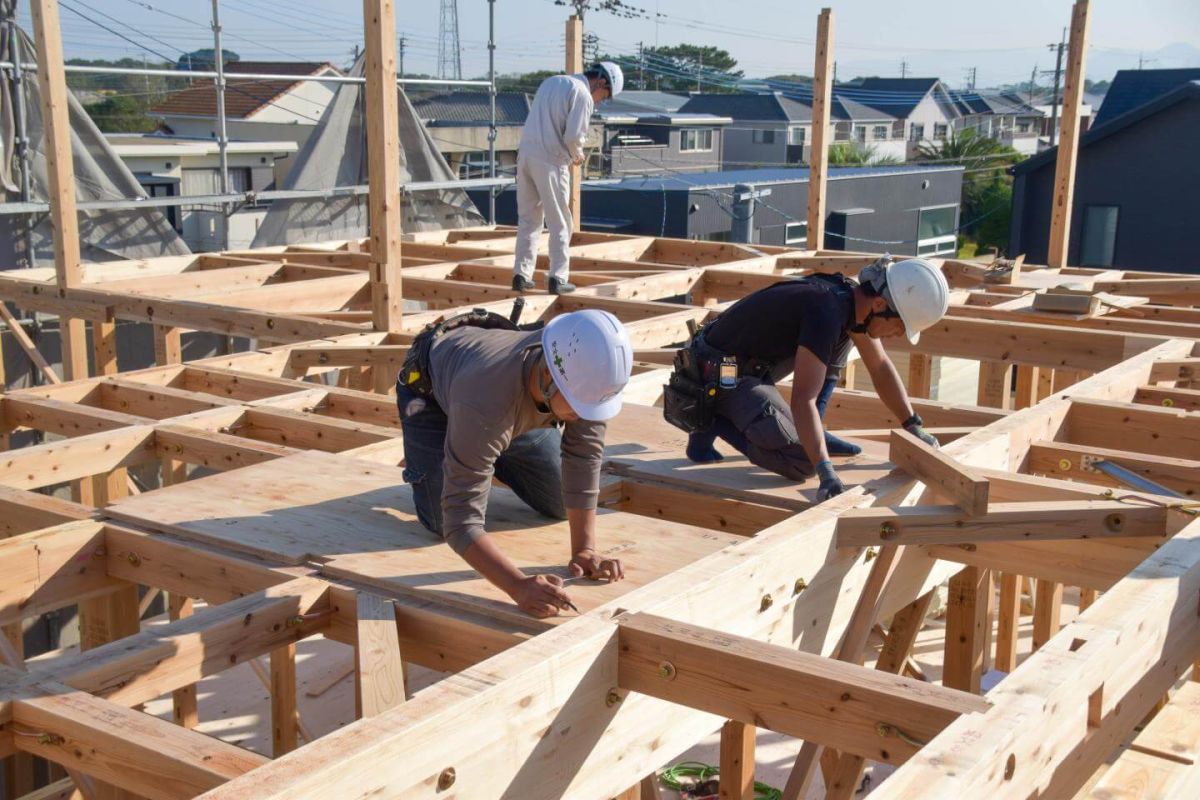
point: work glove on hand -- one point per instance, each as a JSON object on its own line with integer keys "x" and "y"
{"x": 831, "y": 485}
{"x": 916, "y": 426}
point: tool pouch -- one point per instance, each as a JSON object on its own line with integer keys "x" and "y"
{"x": 414, "y": 374}
{"x": 688, "y": 404}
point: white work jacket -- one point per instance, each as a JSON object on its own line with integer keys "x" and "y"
{"x": 558, "y": 120}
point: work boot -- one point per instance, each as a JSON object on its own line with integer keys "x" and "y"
{"x": 521, "y": 284}
{"x": 700, "y": 448}
{"x": 558, "y": 286}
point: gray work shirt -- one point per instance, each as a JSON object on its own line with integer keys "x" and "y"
{"x": 479, "y": 381}
{"x": 557, "y": 124}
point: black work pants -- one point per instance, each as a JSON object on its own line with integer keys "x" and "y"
{"x": 757, "y": 410}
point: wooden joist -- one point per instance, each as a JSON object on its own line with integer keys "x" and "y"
{"x": 939, "y": 472}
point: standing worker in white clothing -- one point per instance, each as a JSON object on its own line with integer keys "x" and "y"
{"x": 552, "y": 141}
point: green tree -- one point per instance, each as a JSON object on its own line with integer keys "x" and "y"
{"x": 680, "y": 68}
{"x": 987, "y": 186}
{"x": 524, "y": 81}
{"x": 969, "y": 149}
{"x": 856, "y": 154}
{"x": 120, "y": 114}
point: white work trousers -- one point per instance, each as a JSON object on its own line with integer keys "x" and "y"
{"x": 543, "y": 192}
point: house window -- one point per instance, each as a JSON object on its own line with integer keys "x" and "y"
{"x": 939, "y": 131}
{"x": 918, "y": 132}
{"x": 935, "y": 231}
{"x": 881, "y": 132}
{"x": 1023, "y": 127}
{"x": 763, "y": 137}
{"x": 474, "y": 164}
{"x": 796, "y": 136}
{"x": 697, "y": 140}
{"x": 860, "y": 133}
{"x": 716, "y": 236}
{"x": 1099, "y": 237}
{"x": 239, "y": 179}
{"x": 796, "y": 233}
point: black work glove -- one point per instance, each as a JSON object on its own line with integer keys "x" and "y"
{"x": 831, "y": 484}
{"x": 916, "y": 426}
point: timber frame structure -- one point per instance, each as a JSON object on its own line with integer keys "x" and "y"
{"x": 271, "y": 491}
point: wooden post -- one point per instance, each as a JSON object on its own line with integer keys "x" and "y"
{"x": 1068, "y": 144}
{"x": 574, "y": 66}
{"x": 18, "y": 769}
{"x": 966, "y": 620}
{"x": 737, "y": 761}
{"x": 383, "y": 168}
{"x": 52, "y": 83}
{"x": 822, "y": 100}
{"x": 186, "y": 710}
{"x": 1047, "y": 612}
{"x": 1027, "y": 386}
{"x": 995, "y": 378}
{"x": 1010, "y": 618}
{"x": 920, "y": 375}
{"x": 284, "y": 721}
{"x": 168, "y": 349}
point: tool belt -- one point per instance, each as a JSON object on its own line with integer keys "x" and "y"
{"x": 690, "y": 396}
{"x": 415, "y": 374}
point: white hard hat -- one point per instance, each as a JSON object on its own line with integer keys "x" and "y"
{"x": 590, "y": 359}
{"x": 918, "y": 292}
{"x": 616, "y": 78}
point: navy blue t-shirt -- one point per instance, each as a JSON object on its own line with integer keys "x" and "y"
{"x": 768, "y": 325}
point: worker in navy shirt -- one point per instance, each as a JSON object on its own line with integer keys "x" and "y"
{"x": 805, "y": 326}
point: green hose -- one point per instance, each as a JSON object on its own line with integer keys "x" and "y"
{"x": 671, "y": 776}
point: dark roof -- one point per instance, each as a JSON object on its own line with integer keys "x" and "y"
{"x": 847, "y": 108}
{"x": 466, "y": 109}
{"x": 874, "y": 92}
{"x": 1098, "y": 132}
{"x": 977, "y": 103}
{"x": 749, "y": 106}
{"x": 634, "y": 101}
{"x": 243, "y": 97}
{"x": 729, "y": 178}
{"x": 1135, "y": 87}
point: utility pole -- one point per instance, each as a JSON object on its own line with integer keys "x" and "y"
{"x": 1032, "y": 83}
{"x": 1054, "y": 100}
{"x": 699, "y": 67}
{"x": 222, "y": 135}
{"x": 835, "y": 73}
{"x": 971, "y": 73}
{"x": 400, "y": 69}
{"x": 744, "y": 195}
{"x": 641, "y": 66}
{"x": 903, "y": 68}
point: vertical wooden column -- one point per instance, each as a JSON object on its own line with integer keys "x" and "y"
{"x": 1068, "y": 143}
{"x": 1047, "y": 612}
{"x": 52, "y": 83}
{"x": 18, "y": 768}
{"x": 995, "y": 378}
{"x": 1027, "y": 383}
{"x": 822, "y": 100}
{"x": 1010, "y": 620}
{"x": 966, "y": 629}
{"x": 737, "y": 761}
{"x": 574, "y": 66}
{"x": 168, "y": 349}
{"x": 383, "y": 162}
{"x": 284, "y": 720}
{"x": 115, "y": 485}
{"x": 920, "y": 375}
{"x": 185, "y": 708}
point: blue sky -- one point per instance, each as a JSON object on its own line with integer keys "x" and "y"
{"x": 1004, "y": 41}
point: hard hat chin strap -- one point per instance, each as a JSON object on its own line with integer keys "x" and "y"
{"x": 547, "y": 388}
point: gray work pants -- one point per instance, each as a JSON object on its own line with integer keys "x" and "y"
{"x": 543, "y": 196}
{"x": 757, "y": 411}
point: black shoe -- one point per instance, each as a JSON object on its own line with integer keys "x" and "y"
{"x": 520, "y": 284}
{"x": 561, "y": 287}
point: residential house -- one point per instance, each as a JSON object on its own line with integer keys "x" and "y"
{"x": 173, "y": 166}
{"x": 768, "y": 130}
{"x": 915, "y": 205}
{"x": 255, "y": 110}
{"x": 1135, "y": 201}
{"x": 459, "y": 123}
{"x": 1051, "y": 118}
{"x": 1003, "y": 117}
{"x": 652, "y": 143}
{"x": 875, "y": 129}
{"x": 922, "y": 107}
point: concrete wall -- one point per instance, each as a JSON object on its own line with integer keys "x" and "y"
{"x": 1149, "y": 170}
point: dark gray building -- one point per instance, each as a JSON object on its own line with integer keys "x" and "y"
{"x": 653, "y": 143}
{"x": 900, "y": 209}
{"x": 1135, "y": 203}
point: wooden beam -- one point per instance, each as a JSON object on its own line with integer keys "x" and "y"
{"x": 284, "y": 716}
{"x": 1068, "y": 519}
{"x": 125, "y": 748}
{"x": 60, "y": 171}
{"x": 574, "y": 66}
{"x": 1068, "y": 143}
{"x": 821, "y": 111}
{"x": 185, "y": 710}
{"x": 383, "y": 170}
{"x": 1076, "y": 462}
{"x": 938, "y": 471}
{"x": 1008, "y": 622}
{"x": 53, "y": 568}
{"x": 782, "y": 689}
{"x": 379, "y": 679}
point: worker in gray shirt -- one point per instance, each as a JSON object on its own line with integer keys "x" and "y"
{"x": 480, "y": 402}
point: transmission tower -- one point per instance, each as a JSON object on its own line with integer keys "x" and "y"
{"x": 449, "y": 51}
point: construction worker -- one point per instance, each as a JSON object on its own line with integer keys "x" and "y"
{"x": 805, "y": 326}
{"x": 551, "y": 141}
{"x": 479, "y": 401}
